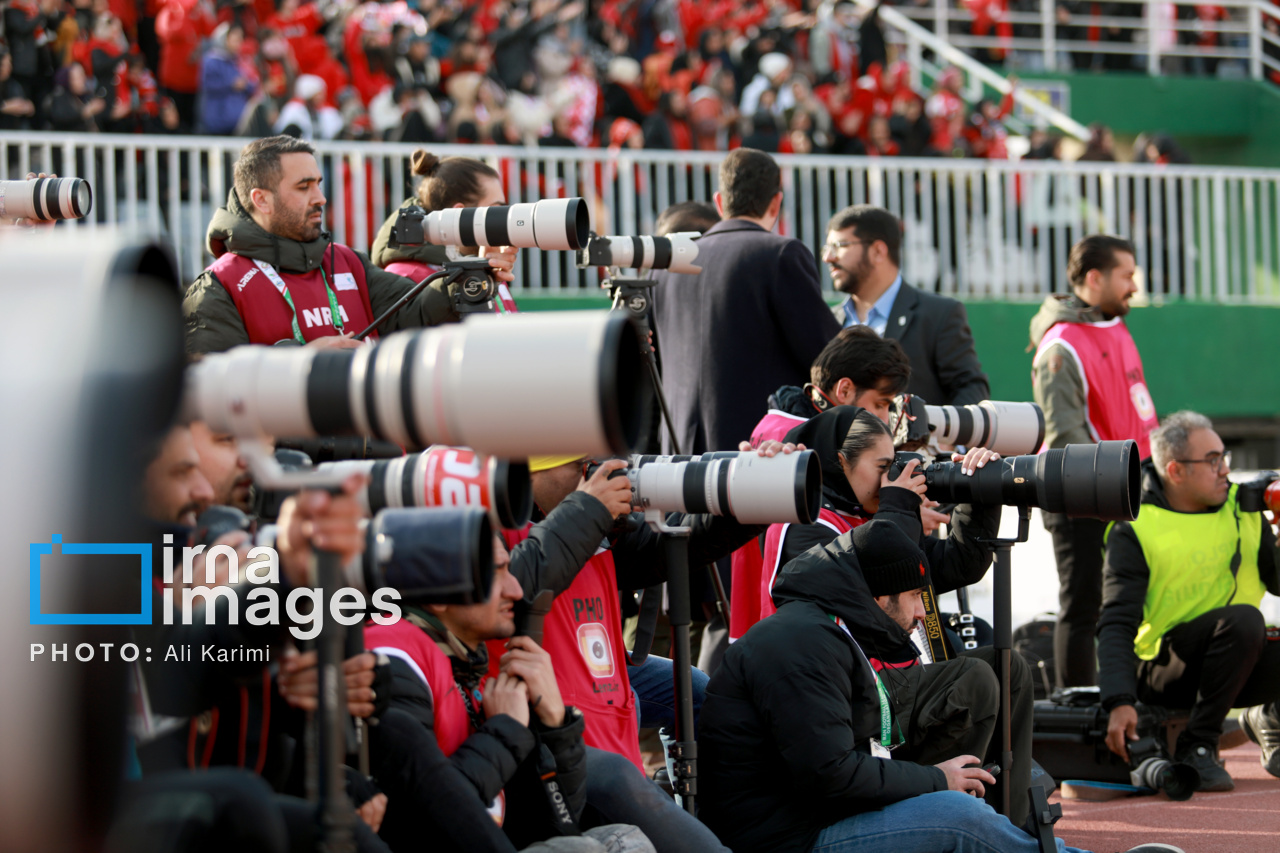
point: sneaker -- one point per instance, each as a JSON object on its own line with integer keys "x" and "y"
{"x": 1212, "y": 777}
{"x": 1155, "y": 848}
{"x": 1260, "y": 728}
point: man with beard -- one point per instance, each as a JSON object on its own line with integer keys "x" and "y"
{"x": 1087, "y": 377}
{"x": 176, "y": 490}
{"x": 223, "y": 466}
{"x": 863, "y": 254}
{"x": 279, "y": 277}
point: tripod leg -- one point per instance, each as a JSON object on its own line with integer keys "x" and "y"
{"x": 684, "y": 753}
{"x": 1003, "y": 619}
{"x": 334, "y": 809}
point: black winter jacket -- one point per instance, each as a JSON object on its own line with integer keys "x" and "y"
{"x": 958, "y": 560}
{"x": 1125, "y": 575}
{"x": 786, "y": 726}
{"x": 560, "y": 545}
{"x": 503, "y": 755}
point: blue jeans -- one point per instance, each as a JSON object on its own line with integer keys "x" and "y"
{"x": 655, "y": 692}
{"x": 942, "y": 822}
{"x": 618, "y": 793}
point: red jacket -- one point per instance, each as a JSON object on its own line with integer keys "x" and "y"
{"x": 180, "y": 27}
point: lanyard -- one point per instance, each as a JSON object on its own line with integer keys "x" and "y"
{"x": 334, "y": 313}
{"x": 886, "y": 713}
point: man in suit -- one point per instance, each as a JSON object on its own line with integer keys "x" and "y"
{"x": 752, "y": 321}
{"x": 863, "y": 253}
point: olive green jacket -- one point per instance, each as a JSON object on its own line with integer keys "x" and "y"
{"x": 213, "y": 322}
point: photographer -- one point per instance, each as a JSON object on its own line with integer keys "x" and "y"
{"x": 1087, "y": 377}
{"x": 223, "y": 466}
{"x": 278, "y": 277}
{"x": 185, "y": 704}
{"x": 796, "y": 732}
{"x": 856, "y": 452}
{"x": 856, "y": 368}
{"x": 578, "y": 552}
{"x": 448, "y": 182}
{"x": 517, "y": 743}
{"x": 1180, "y": 625}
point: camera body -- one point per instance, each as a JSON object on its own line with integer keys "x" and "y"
{"x": 408, "y": 229}
{"x": 753, "y": 489}
{"x": 1086, "y": 480}
{"x": 1262, "y": 492}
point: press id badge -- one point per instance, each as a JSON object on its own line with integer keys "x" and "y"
{"x": 879, "y": 751}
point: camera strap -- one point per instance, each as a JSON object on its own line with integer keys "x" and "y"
{"x": 930, "y": 631}
{"x": 890, "y": 734}
{"x": 335, "y": 314}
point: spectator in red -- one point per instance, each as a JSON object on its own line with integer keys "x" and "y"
{"x": 308, "y": 115}
{"x": 945, "y": 109}
{"x": 985, "y": 132}
{"x": 136, "y": 96}
{"x": 989, "y": 15}
{"x": 300, "y": 24}
{"x": 1206, "y": 16}
{"x": 851, "y": 107}
{"x": 879, "y": 141}
{"x": 180, "y": 27}
{"x": 102, "y": 53}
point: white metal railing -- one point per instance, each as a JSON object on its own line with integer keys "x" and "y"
{"x": 1041, "y": 40}
{"x": 973, "y": 228}
{"x": 917, "y": 39}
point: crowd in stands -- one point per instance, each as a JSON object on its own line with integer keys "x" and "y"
{"x": 785, "y": 76}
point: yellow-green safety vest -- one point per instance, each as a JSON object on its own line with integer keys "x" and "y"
{"x": 1189, "y": 559}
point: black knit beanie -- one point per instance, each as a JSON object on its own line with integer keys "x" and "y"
{"x": 890, "y": 561}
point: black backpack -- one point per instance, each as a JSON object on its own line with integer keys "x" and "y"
{"x": 1034, "y": 641}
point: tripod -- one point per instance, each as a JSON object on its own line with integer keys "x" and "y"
{"x": 632, "y": 295}
{"x": 473, "y": 295}
{"x": 1042, "y": 812}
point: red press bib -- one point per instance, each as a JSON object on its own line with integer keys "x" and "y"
{"x": 254, "y": 288}
{"x": 583, "y": 635}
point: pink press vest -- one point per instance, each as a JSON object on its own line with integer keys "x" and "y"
{"x": 1117, "y": 403}
{"x": 746, "y": 563}
{"x": 266, "y": 315}
{"x": 773, "y": 539}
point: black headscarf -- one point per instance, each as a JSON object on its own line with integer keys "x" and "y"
{"x": 824, "y": 434}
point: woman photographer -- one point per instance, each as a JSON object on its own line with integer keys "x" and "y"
{"x": 451, "y": 182}
{"x": 856, "y": 451}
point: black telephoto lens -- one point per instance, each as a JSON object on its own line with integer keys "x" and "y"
{"x": 432, "y": 556}
{"x": 1083, "y": 480}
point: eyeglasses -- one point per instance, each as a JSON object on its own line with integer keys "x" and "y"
{"x": 833, "y": 248}
{"x": 1215, "y": 461}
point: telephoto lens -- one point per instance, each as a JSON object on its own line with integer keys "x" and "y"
{"x": 512, "y": 386}
{"x": 558, "y": 223}
{"x": 675, "y": 252}
{"x": 1010, "y": 429}
{"x": 1083, "y": 480}
{"x": 442, "y": 555}
{"x": 445, "y": 476}
{"x": 754, "y": 489}
{"x": 46, "y": 199}
{"x": 1150, "y": 767}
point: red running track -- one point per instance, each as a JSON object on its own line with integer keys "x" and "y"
{"x": 1246, "y": 820}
